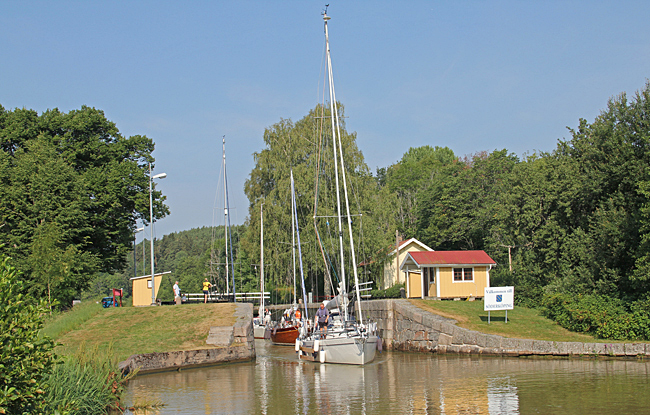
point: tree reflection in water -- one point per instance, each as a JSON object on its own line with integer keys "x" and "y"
{"x": 400, "y": 383}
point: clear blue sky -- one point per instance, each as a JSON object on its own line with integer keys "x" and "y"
{"x": 470, "y": 75}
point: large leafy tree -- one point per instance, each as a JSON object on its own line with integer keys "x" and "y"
{"x": 301, "y": 147}
{"x": 411, "y": 177}
{"x": 76, "y": 172}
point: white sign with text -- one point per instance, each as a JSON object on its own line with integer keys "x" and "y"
{"x": 499, "y": 298}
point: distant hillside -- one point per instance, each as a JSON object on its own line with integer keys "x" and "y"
{"x": 186, "y": 254}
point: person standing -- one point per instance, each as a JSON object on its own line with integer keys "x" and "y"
{"x": 206, "y": 290}
{"x": 322, "y": 317}
{"x": 177, "y": 293}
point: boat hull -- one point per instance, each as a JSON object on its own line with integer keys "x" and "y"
{"x": 343, "y": 350}
{"x": 258, "y": 331}
{"x": 285, "y": 335}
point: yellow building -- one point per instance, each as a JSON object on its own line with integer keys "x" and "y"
{"x": 391, "y": 275}
{"x": 446, "y": 274}
{"x": 142, "y": 288}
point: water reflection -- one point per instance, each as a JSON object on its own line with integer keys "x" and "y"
{"x": 401, "y": 383}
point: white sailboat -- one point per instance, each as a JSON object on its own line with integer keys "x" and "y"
{"x": 260, "y": 323}
{"x": 349, "y": 340}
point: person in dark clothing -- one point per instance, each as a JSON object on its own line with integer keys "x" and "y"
{"x": 322, "y": 317}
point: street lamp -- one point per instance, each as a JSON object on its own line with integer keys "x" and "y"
{"x": 135, "y": 269}
{"x": 153, "y": 284}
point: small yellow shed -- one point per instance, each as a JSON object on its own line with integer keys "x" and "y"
{"x": 142, "y": 288}
{"x": 447, "y": 274}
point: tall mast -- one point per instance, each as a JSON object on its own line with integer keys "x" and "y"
{"x": 293, "y": 240}
{"x": 336, "y": 135}
{"x": 261, "y": 309}
{"x": 294, "y": 215}
{"x": 227, "y": 232}
{"x": 334, "y": 120}
{"x": 225, "y": 212}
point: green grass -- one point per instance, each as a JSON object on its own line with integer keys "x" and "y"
{"x": 523, "y": 323}
{"x": 66, "y": 321}
{"x": 124, "y": 331}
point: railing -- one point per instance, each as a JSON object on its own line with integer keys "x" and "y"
{"x": 213, "y": 296}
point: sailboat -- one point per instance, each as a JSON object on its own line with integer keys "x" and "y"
{"x": 349, "y": 340}
{"x": 261, "y": 322}
{"x": 288, "y": 331}
{"x": 229, "y": 264}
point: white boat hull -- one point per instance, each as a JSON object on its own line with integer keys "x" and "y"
{"x": 354, "y": 350}
{"x": 258, "y": 331}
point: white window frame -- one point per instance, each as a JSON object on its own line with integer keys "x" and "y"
{"x": 453, "y": 280}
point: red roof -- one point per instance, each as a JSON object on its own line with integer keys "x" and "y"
{"x": 451, "y": 257}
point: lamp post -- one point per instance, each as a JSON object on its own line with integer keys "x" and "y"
{"x": 135, "y": 269}
{"x": 153, "y": 283}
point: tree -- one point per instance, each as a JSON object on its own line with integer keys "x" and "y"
{"x": 300, "y": 147}
{"x": 73, "y": 170}
{"x": 410, "y": 179}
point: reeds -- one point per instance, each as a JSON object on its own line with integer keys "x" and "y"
{"x": 87, "y": 382}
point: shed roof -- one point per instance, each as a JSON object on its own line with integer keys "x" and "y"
{"x": 158, "y": 274}
{"x": 447, "y": 258}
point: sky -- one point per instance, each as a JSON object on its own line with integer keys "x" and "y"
{"x": 469, "y": 75}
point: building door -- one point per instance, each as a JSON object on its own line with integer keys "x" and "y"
{"x": 415, "y": 284}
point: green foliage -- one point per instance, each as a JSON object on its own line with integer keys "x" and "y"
{"x": 303, "y": 148}
{"x": 25, "y": 358}
{"x": 187, "y": 254}
{"x": 86, "y": 383}
{"x": 390, "y": 292}
{"x": 71, "y": 190}
{"x": 604, "y": 317}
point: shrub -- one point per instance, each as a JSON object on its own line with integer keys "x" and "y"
{"x": 604, "y": 317}
{"x": 391, "y": 292}
{"x": 25, "y": 359}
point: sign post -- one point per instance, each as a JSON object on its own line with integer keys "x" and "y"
{"x": 498, "y": 298}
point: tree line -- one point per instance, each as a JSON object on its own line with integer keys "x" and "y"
{"x": 569, "y": 228}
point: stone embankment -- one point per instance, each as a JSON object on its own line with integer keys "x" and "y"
{"x": 404, "y": 326}
{"x": 224, "y": 344}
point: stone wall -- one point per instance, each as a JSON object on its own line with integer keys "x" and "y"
{"x": 224, "y": 344}
{"x": 404, "y": 326}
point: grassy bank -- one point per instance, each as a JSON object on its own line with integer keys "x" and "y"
{"x": 523, "y": 323}
{"x": 134, "y": 330}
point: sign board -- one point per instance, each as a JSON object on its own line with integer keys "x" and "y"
{"x": 498, "y": 298}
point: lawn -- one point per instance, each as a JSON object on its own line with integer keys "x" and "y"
{"x": 137, "y": 330}
{"x": 523, "y": 323}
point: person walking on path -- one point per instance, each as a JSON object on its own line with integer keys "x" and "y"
{"x": 322, "y": 316}
{"x": 206, "y": 290}
{"x": 177, "y": 293}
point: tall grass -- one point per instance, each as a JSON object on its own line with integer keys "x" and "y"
{"x": 62, "y": 323}
{"x": 87, "y": 382}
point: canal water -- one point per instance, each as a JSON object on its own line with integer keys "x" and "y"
{"x": 400, "y": 383}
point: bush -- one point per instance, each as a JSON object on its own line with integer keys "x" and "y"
{"x": 391, "y": 292}
{"x": 604, "y": 317}
{"x": 25, "y": 359}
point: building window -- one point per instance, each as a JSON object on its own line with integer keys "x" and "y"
{"x": 468, "y": 275}
{"x": 148, "y": 283}
{"x": 463, "y": 274}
